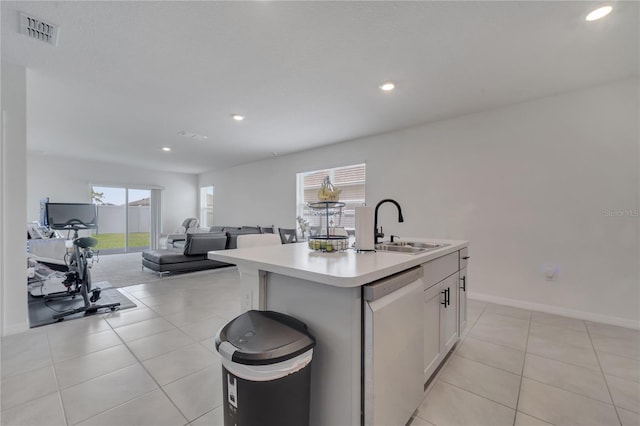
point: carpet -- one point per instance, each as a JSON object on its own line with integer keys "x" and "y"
{"x": 41, "y": 312}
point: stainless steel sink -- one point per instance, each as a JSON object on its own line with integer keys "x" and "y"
{"x": 408, "y": 247}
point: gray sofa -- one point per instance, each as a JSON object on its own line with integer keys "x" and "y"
{"x": 192, "y": 257}
{"x": 191, "y": 254}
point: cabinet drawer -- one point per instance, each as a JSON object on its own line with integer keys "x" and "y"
{"x": 439, "y": 269}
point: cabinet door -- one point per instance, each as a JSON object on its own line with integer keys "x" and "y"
{"x": 449, "y": 313}
{"x": 462, "y": 301}
{"x": 432, "y": 340}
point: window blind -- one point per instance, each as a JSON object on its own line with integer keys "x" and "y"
{"x": 350, "y": 179}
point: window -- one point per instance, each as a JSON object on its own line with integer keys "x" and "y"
{"x": 206, "y": 206}
{"x": 350, "y": 179}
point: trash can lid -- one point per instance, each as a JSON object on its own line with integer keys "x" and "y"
{"x": 263, "y": 337}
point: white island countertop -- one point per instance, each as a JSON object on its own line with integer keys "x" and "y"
{"x": 339, "y": 269}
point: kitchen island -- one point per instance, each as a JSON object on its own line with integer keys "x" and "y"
{"x": 327, "y": 292}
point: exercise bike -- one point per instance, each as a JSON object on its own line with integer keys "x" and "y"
{"x": 78, "y": 276}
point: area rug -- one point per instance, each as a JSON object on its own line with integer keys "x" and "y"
{"x": 41, "y": 312}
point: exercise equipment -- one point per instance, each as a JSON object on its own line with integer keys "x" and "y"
{"x": 78, "y": 276}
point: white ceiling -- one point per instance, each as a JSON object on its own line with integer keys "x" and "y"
{"x": 126, "y": 77}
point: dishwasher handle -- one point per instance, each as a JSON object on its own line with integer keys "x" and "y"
{"x": 381, "y": 288}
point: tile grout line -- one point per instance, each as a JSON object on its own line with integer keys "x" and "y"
{"x": 568, "y": 391}
{"x": 199, "y": 417}
{"x": 440, "y": 370}
{"x": 482, "y": 396}
{"x": 618, "y": 355}
{"x": 563, "y": 389}
{"x": 108, "y": 327}
{"x": 606, "y": 382}
{"x": 524, "y": 361}
{"x": 103, "y": 411}
{"x": 148, "y": 372}
{"x": 55, "y": 376}
{"x": 567, "y": 362}
{"x": 436, "y": 377}
{"x": 487, "y": 365}
{"x": 595, "y": 370}
{"x": 132, "y": 399}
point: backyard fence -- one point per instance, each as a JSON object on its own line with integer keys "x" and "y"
{"x": 111, "y": 219}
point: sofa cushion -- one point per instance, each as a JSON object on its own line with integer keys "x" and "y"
{"x": 201, "y": 243}
{"x": 267, "y": 229}
{"x": 251, "y": 229}
{"x": 232, "y": 241}
{"x": 165, "y": 257}
{"x": 177, "y": 246}
{"x": 191, "y": 265}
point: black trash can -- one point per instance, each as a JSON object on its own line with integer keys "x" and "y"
{"x": 266, "y": 369}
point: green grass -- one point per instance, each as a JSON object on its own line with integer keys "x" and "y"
{"x": 115, "y": 241}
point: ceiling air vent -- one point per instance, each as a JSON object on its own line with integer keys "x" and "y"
{"x": 38, "y": 29}
{"x": 192, "y": 135}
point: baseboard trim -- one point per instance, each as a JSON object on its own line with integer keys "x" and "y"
{"x": 557, "y": 310}
{"x": 15, "y": 328}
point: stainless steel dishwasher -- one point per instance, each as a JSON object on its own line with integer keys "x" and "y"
{"x": 393, "y": 348}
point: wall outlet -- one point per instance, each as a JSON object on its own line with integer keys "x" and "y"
{"x": 550, "y": 272}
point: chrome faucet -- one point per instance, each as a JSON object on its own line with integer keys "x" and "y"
{"x": 380, "y": 234}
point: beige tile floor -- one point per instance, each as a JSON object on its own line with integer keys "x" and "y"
{"x": 157, "y": 365}
{"x": 517, "y": 367}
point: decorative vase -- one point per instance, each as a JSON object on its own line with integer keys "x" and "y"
{"x": 328, "y": 192}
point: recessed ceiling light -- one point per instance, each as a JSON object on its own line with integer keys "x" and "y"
{"x": 166, "y": 148}
{"x": 237, "y": 117}
{"x": 274, "y": 154}
{"x": 600, "y": 12}
{"x": 387, "y": 86}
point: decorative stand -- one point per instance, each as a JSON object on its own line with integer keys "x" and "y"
{"x": 328, "y": 242}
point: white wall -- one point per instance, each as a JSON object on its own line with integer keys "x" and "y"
{"x": 13, "y": 268}
{"x": 64, "y": 180}
{"x": 534, "y": 184}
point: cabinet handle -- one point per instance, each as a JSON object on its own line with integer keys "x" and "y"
{"x": 448, "y": 296}
{"x": 445, "y": 298}
{"x": 466, "y": 257}
{"x": 464, "y": 283}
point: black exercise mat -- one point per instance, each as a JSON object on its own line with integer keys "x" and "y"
{"x": 41, "y": 312}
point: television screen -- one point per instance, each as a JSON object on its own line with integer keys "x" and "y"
{"x": 67, "y": 215}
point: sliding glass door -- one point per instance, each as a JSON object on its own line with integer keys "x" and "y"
{"x": 124, "y": 219}
{"x": 138, "y": 219}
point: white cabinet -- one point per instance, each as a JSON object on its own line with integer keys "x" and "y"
{"x": 462, "y": 301}
{"x": 449, "y": 312}
{"x": 463, "y": 256}
{"x": 440, "y": 316}
{"x": 445, "y": 308}
{"x": 432, "y": 343}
